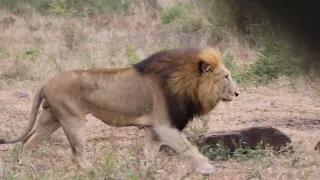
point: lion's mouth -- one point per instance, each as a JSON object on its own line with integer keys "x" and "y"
{"x": 226, "y": 99}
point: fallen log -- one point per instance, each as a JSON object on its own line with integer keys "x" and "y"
{"x": 249, "y": 138}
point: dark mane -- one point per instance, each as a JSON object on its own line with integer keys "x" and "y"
{"x": 163, "y": 65}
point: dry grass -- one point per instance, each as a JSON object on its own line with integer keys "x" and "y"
{"x": 34, "y": 47}
{"x": 51, "y": 44}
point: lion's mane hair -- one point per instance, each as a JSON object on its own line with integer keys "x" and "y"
{"x": 178, "y": 71}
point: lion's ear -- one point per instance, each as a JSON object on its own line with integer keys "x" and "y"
{"x": 205, "y": 68}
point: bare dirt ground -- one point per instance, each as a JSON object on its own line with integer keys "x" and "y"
{"x": 295, "y": 112}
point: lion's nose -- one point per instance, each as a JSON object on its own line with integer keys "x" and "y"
{"x": 237, "y": 94}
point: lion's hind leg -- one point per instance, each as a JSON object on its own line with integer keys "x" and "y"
{"x": 73, "y": 126}
{"x": 178, "y": 142}
{"x": 44, "y": 127}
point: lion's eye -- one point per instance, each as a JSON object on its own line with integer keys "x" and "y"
{"x": 227, "y": 77}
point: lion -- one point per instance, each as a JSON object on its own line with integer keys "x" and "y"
{"x": 160, "y": 94}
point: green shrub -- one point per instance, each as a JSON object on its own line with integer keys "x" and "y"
{"x": 10, "y": 4}
{"x": 275, "y": 59}
{"x": 276, "y": 56}
{"x": 59, "y": 6}
{"x": 220, "y": 152}
{"x": 131, "y": 53}
{"x": 171, "y": 13}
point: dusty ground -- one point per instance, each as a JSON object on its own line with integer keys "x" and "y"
{"x": 297, "y": 113}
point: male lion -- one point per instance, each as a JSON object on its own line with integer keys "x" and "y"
{"x": 161, "y": 93}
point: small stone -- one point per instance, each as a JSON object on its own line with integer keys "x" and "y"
{"x": 23, "y": 94}
{"x": 317, "y": 147}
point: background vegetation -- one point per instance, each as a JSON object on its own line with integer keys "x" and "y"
{"x": 254, "y": 49}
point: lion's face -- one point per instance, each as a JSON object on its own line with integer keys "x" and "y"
{"x": 228, "y": 87}
{"x": 217, "y": 83}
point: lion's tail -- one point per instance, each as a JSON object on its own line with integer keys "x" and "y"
{"x": 34, "y": 112}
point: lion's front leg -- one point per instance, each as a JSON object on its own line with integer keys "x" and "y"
{"x": 75, "y": 131}
{"x": 152, "y": 145}
{"x": 178, "y": 142}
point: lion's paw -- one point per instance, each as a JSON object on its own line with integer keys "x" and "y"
{"x": 23, "y": 161}
{"x": 206, "y": 168}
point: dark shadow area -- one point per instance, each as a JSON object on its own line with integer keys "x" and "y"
{"x": 301, "y": 18}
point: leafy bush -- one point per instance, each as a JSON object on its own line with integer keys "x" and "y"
{"x": 171, "y": 13}
{"x": 220, "y": 152}
{"x": 276, "y": 56}
{"x": 131, "y": 53}
{"x": 275, "y": 59}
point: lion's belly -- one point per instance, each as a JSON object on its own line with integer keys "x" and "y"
{"x": 119, "y": 99}
{"x": 117, "y": 105}
{"x": 112, "y": 118}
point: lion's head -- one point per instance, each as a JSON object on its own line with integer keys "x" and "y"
{"x": 194, "y": 80}
{"x": 216, "y": 83}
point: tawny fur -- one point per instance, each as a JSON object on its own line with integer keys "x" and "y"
{"x": 163, "y": 93}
